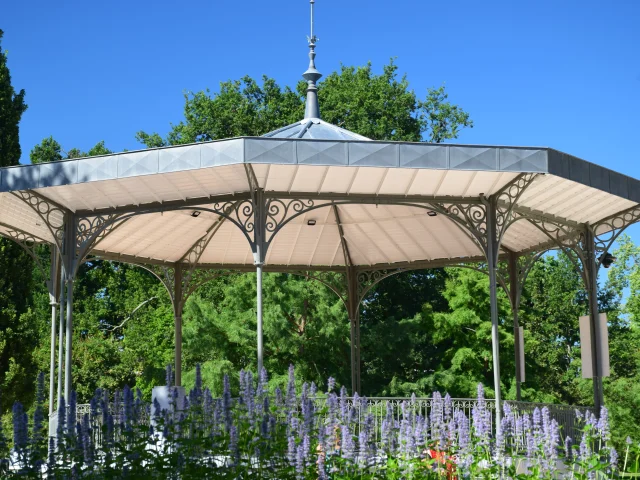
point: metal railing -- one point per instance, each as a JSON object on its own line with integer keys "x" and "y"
{"x": 564, "y": 415}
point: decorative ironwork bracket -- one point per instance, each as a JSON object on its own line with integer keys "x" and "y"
{"x": 607, "y": 231}
{"x": 51, "y": 213}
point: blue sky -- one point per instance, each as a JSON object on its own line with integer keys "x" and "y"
{"x": 563, "y": 74}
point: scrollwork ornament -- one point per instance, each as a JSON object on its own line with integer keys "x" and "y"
{"x": 28, "y": 243}
{"x": 90, "y": 230}
{"x": 508, "y": 198}
{"x": 607, "y": 231}
{"x": 470, "y": 218}
{"x": 367, "y": 279}
{"x": 279, "y": 212}
{"x": 240, "y": 212}
{"x": 51, "y": 214}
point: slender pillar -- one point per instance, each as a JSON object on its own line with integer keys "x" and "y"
{"x": 352, "y": 311}
{"x": 492, "y": 258}
{"x": 259, "y": 256}
{"x": 61, "y": 338}
{"x": 515, "y": 291}
{"x": 177, "y": 307}
{"x": 55, "y": 280}
{"x": 52, "y": 363}
{"x": 259, "y": 314}
{"x": 69, "y": 339}
{"x": 592, "y": 291}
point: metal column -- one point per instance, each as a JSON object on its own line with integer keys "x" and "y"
{"x": 54, "y": 286}
{"x": 177, "y": 315}
{"x": 259, "y": 315}
{"x": 69, "y": 265}
{"x": 515, "y": 292}
{"x": 61, "y": 336}
{"x": 354, "y": 323}
{"x": 492, "y": 258}
{"x": 69, "y": 339}
{"x": 591, "y": 279}
{"x": 52, "y": 362}
{"x": 259, "y": 255}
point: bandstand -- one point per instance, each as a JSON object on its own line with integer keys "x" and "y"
{"x": 312, "y": 198}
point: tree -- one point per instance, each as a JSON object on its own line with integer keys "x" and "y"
{"x": 49, "y": 150}
{"x": 378, "y": 106}
{"x": 16, "y": 267}
{"x": 12, "y": 107}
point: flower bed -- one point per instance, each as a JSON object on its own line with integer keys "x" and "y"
{"x": 303, "y": 435}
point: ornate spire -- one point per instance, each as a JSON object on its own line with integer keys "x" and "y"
{"x": 312, "y": 75}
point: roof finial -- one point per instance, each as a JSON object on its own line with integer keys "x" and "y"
{"x": 312, "y": 75}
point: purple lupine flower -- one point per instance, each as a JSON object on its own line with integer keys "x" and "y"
{"x": 263, "y": 381}
{"x": 331, "y": 384}
{"x": 585, "y": 451}
{"x": 603, "y": 424}
{"x": 291, "y": 389}
{"x": 530, "y": 439}
{"x": 306, "y": 447}
{"x": 51, "y": 458}
{"x": 313, "y": 390}
{"x": 463, "y": 431}
{"x": 344, "y": 411}
{"x": 117, "y": 403}
{"x": 78, "y": 447}
{"x": 104, "y": 406}
{"x": 299, "y": 462}
{"x": 264, "y": 426}
{"x": 233, "y": 445}
{"x": 62, "y": 414}
{"x": 347, "y": 445}
{"x": 138, "y": 407}
{"x": 279, "y": 400}
{"x": 110, "y": 430}
{"x": 198, "y": 377}
{"x": 168, "y": 379}
{"x": 567, "y": 448}
{"x": 613, "y": 459}
{"x": 537, "y": 427}
{"x": 94, "y": 403}
{"x": 207, "y": 402}
{"x": 518, "y": 428}
{"x": 19, "y": 427}
{"x": 226, "y": 403}
{"x": 551, "y": 442}
{"x": 291, "y": 450}
{"x": 87, "y": 441}
{"x": 243, "y": 387}
{"x": 385, "y": 435}
{"x": 71, "y": 418}
{"x": 249, "y": 397}
{"x": 322, "y": 474}
{"x": 363, "y": 447}
{"x": 448, "y": 407}
{"x": 127, "y": 406}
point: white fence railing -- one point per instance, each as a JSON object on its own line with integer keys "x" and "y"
{"x": 564, "y": 415}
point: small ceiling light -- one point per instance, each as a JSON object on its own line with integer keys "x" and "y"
{"x": 431, "y": 213}
{"x": 311, "y": 222}
{"x": 607, "y": 260}
{"x": 195, "y": 214}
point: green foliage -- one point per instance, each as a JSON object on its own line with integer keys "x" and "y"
{"x": 12, "y": 107}
{"x": 15, "y": 265}
{"x": 49, "y": 150}
{"x": 378, "y": 106}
